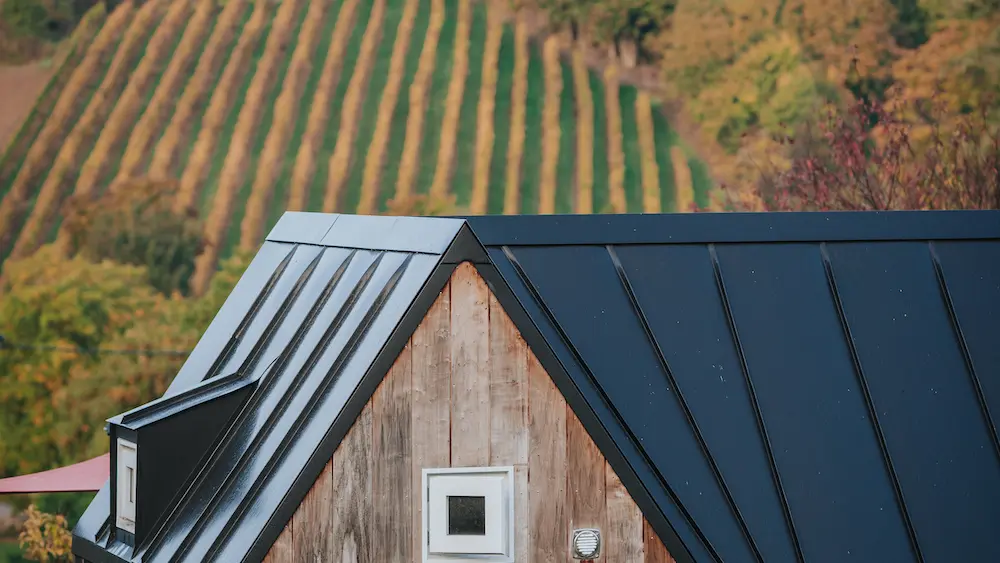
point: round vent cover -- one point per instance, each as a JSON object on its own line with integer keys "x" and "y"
{"x": 586, "y": 544}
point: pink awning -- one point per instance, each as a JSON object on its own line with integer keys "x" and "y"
{"x": 86, "y": 476}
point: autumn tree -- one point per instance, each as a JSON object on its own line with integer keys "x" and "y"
{"x": 867, "y": 158}
{"x": 134, "y": 222}
{"x": 53, "y": 313}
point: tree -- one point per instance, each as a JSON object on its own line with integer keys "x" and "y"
{"x": 54, "y": 312}
{"x": 866, "y": 158}
{"x": 134, "y": 222}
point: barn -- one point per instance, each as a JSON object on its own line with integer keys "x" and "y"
{"x": 797, "y": 387}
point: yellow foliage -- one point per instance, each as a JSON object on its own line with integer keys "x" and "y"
{"x": 350, "y": 113}
{"x": 647, "y": 145}
{"x": 286, "y": 110}
{"x": 45, "y": 537}
{"x": 368, "y": 203}
{"x": 518, "y": 94}
{"x": 223, "y": 96}
{"x": 584, "y": 135}
{"x": 63, "y": 116}
{"x": 551, "y": 132}
{"x": 951, "y": 67}
{"x": 163, "y": 102}
{"x": 234, "y": 168}
{"x": 616, "y": 153}
{"x": 123, "y": 117}
{"x": 418, "y": 102}
{"x": 165, "y": 156}
{"x": 312, "y": 141}
{"x": 453, "y": 103}
{"x": 487, "y": 102}
{"x": 67, "y": 164}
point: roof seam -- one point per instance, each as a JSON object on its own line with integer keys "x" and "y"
{"x": 754, "y": 403}
{"x": 610, "y": 406}
{"x": 859, "y": 372}
{"x": 688, "y": 414}
{"x": 964, "y": 346}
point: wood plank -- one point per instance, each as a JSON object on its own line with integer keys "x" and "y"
{"x": 393, "y": 470}
{"x": 283, "y": 550}
{"x": 522, "y": 539}
{"x": 351, "y": 522}
{"x": 313, "y": 520}
{"x": 508, "y": 390}
{"x": 585, "y": 497}
{"x": 431, "y": 408}
{"x": 470, "y": 384}
{"x": 655, "y": 551}
{"x": 624, "y": 543}
{"x": 546, "y": 468}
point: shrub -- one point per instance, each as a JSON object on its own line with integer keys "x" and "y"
{"x": 37, "y": 19}
{"x": 45, "y": 537}
{"x": 867, "y": 157}
{"x": 134, "y": 222}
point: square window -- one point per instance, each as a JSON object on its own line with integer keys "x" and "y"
{"x": 468, "y": 514}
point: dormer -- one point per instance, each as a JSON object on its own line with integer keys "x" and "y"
{"x": 157, "y": 449}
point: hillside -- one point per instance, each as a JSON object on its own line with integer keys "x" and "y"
{"x": 255, "y": 106}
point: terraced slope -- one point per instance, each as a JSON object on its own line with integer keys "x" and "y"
{"x": 257, "y": 106}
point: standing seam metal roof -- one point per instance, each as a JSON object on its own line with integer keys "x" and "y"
{"x": 770, "y": 387}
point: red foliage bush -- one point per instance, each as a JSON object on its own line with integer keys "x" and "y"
{"x": 869, "y": 158}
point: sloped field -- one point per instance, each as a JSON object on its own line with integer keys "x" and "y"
{"x": 257, "y": 106}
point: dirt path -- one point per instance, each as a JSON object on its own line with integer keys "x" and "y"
{"x": 19, "y": 88}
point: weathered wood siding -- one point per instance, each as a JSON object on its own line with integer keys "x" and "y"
{"x": 465, "y": 391}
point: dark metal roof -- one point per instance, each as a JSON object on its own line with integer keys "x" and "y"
{"x": 769, "y": 387}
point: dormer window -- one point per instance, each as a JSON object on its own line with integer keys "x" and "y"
{"x": 126, "y": 489}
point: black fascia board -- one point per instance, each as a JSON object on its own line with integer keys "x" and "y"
{"x": 703, "y": 228}
{"x": 172, "y": 405}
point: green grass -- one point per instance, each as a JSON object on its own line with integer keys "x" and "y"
{"x": 195, "y": 130}
{"x": 566, "y": 166}
{"x": 632, "y": 150}
{"x": 10, "y": 552}
{"x": 260, "y": 137}
{"x": 465, "y": 141}
{"x": 87, "y": 96}
{"x": 116, "y": 157}
{"x": 397, "y": 135}
{"x": 436, "y": 96}
{"x": 665, "y": 139}
{"x": 225, "y": 138}
{"x": 463, "y": 165}
{"x": 531, "y": 158}
{"x": 501, "y": 123}
{"x": 601, "y": 169}
{"x": 377, "y": 78}
{"x": 353, "y": 47}
{"x": 279, "y": 199}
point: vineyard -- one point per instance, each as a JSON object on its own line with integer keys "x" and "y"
{"x": 258, "y": 106}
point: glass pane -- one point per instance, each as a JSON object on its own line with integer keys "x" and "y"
{"x": 466, "y": 516}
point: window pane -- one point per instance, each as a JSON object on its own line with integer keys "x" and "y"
{"x": 466, "y": 516}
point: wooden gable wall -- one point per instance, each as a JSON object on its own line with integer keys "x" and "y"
{"x": 465, "y": 391}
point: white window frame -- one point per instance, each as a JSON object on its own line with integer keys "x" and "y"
{"x": 127, "y": 475}
{"x": 496, "y": 484}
